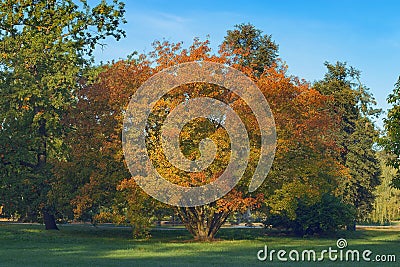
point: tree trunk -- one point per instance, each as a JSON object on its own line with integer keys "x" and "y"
{"x": 49, "y": 221}
{"x": 202, "y": 222}
{"x": 48, "y": 217}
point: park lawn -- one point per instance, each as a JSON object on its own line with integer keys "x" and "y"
{"x": 84, "y": 245}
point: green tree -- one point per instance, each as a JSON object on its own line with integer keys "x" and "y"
{"x": 391, "y": 141}
{"x": 354, "y": 105}
{"x": 45, "y": 46}
{"x": 387, "y": 201}
{"x": 248, "y": 47}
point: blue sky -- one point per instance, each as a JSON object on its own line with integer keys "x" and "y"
{"x": 365, "y": 34}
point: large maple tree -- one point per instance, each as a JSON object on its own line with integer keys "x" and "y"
{"x": 305, "y": 145}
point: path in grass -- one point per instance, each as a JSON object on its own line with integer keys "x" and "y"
{"x": 83, "y": 245}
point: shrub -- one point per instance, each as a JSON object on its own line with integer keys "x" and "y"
{"x": 323, "y": 217}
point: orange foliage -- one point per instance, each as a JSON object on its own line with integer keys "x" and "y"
{"x": 305, "y": 128}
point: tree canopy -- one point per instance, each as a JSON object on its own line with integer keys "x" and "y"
{"x": 391, "y": 141}
{"x": 45, "y": 47}
{"x": 358, "y": 135}
{"x": 248, "y": 47}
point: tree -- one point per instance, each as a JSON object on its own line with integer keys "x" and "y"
{"x": 391, "y": 141}
{"x": 302, "y": 118}
{"x": 45, "y": 46}
{"x": 358, "y": 135}
{"x": 248, "y": 47}
{"x": 387, "y": 201}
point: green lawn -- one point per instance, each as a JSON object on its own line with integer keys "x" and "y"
{"x": 84, "y": 245}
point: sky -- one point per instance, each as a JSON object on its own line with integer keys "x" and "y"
{"x": 365, "y": 34}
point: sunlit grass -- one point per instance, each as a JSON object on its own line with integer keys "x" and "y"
{"x": 84, "y": 245}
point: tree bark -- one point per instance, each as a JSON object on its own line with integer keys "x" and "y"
{"x": 202, "y": 222}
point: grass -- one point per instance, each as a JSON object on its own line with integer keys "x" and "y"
{"x": 84, "y": 245}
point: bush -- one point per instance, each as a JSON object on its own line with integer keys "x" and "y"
{"x": 323, "y": 217}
